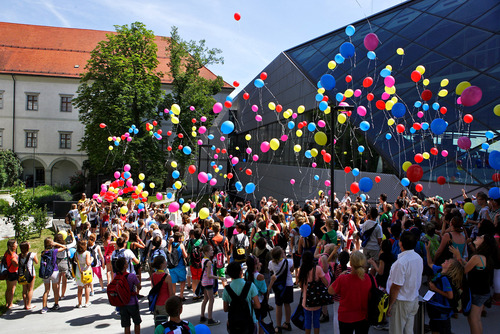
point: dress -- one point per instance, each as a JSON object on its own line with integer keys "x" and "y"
{"x": 82, "y": 258}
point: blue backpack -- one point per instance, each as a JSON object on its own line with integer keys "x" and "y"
{"x": 47, "y": 264}
{"x": 395, "y": 247}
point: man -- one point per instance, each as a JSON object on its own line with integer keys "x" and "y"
{"x": 403, "y": 284}
{"x": 372, "y": 247}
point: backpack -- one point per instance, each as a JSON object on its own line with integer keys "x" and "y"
{"x": 171, "y": 327}
{"x": 239, "y": 254}
{"x": 378, "y": 303}
{"x": 395, "y": 247}
{"x": 219, "y": 254}
{"x": 119, "y": 253}
{"x": 118, "y": 290}
{"x": 155, "y": 253}
{"x": 93, "y": 254}
{"x": 196, "y": 255}
{"x": 267, "y": 236}
{"x": 173, "y": 257}
{"x": 4, "y": 269}
{"x": 262, "y": 259}
{"x": 47, "y": 261}
{"x": 365, "y": 237}
{"x": 155, "y": 292}
{"x": 25, "y": 276}
{"x": 239, "y": 317}
{"x": 282, "y": 240}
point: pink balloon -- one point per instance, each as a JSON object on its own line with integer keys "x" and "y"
{"x": 294, "y": 115}
{"x": 203, "y": 177}
{"x": 117, "y": 175}
{"x": 171, "y": 223}
{"x": 258, "y": 118}
{"x": 203, "y": 119}
{"x": 284, "y": 138}
{"x": 444, "y": 153}
{"x": 255, "y": 157}
{"x": 192, "y": 108}
{"x": 420, "y": 114}
{"x": 371, "y": 41}
{"x": 126, "y": 168}
{"x": 216, "y": 156}
{"x": 292, "y": 181}
{"x": 213, "y": 182}
{"x": 95, "y": 196}
{"x": 321, "y": 123}
{"x": 264, "y": 147}
{"x": 235, "y": 160}
{"x": 385, "y": 96}
{"x": 255, "y": 108}
{"x": 228, "y": 221}
{"x": 357, "y": 92}
{"x": 389, "y": 81}
{"x": 343, "y": 104}
{"x": 130, "y": 138}
{"x": 249, "y": 150}
{"x": 217, "y": 108}
{"x": 464, "y": 143}
{"x": 159, "y": 196}
{"x": 459, "y": 100}
{"x": 99, "y": 200}
{"x": 361, "y": 111}
{"x": 235, "y": 231}
{"x": 327, "y": 183}
{"x": 222, "y": 138}
{"x": 202, "y": 129}
{"x": 120, "y": 192}
{"x": 173, "y": 207}
{"x": 200, "y": 142}
{"x": 192, "y": 205}
{"x": 314, "y": 165}
{"x": 130, "y": 182}
{"x": 471, "y": 96}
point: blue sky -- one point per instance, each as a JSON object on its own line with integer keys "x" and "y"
{"x": 266, "y": 28}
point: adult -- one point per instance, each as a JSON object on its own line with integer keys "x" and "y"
{"x": 455, "y": 237}
{"x": 12, "y": 261}
{"x": 282, "y": 285}
{"x": 403, "y": 284}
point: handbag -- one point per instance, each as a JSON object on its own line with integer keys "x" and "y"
{"x": 298, "y": 317}
{"x": 279, "y": 285}
{"x": 317, "y": 293}
{"x": 86, "y": 275}
{"x": 4, "y": 269}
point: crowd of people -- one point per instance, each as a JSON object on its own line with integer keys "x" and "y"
{"x": 345, "y": 247}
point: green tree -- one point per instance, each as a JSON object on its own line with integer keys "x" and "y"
{"x": 189, "y": 88}
{"x": 18, "y": 213}
{"x": 120, "y": 88}
{"x": 10, "y": 168}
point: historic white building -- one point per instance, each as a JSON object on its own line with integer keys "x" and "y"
{"x": 40, "y": 70}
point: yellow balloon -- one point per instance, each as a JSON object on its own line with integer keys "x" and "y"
{"x": 298, "y": 133}
{"x": 176, "y": 109}
{"x": 110, "y": 138}
{"x": 216, "y": 170}
{"x": 272, "y": 106}
{"x": 321, "y": 90}
{"x": 110, "y": 148}
{"x": 287, "y": 114}
{"x": 390, "y": 121}
{"x": 426, "y": 155}
{"x": 145, "y": 194}
{"x": 400, "y": 51}
{"x": 443, "y": 92}
{"x": 137, "y": 190}
{"x": 390, "y": 90}
{"x": 496, "y": 110}
{"x": 314, "y": 152}
{"x": 394, "y": 99}
{"x": 173, "y": 164}
{"x": 119, "y": 199}
{"x": 327, "y": 110}
{"x": 297, "y": 148}
{"x": 301, "y": 109}
{"x": 137, "y": 201}
{"x": 406, "y": 165}
{"x": 341, "y": 118}
{"x": 348, "y": 93}
{"x": 320, "y": 138}
{"x": 426, "y": 82}
{"x": 123, "y": 210}
{"x": 389, "y": 67}
{"x": 193, "y": 134}
{"x": 237, "y": 148}
{"x": 204, "y": 213}
{"x": 178, "y": 184}
{"x": 152, "y": 185}
{"x": 185, "y": 207}
{"x": 275, "y": 144}
{"x": 469, "y": 208}
{"x": 118, "y": 139}
{"x": 389, "y": 104}
{"x": 461, "y": 87}
{"x": 174, "y": 120}
{"x": 141, "y": 176}
{"x": 420, "y": 69}
{"x": 64, "y": 234}
{"x": 193, "y": 128}
{"x": 332, "y": 64}
{"x": 248, "y": 137}
{"x": 345, "y": 152}
{"x": 445, "y": 82}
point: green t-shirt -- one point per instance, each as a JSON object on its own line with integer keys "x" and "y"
{"x": 267, "y": 234}
{"x": 160, "y": 329}
{"x": 330, "y": 237}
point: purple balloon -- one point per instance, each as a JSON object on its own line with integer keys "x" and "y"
{"x": 464, "y": 143}
{"x": 471, "y": 96}
{"x": 371, "y": 41}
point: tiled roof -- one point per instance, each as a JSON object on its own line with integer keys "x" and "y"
{"x": 60, "y": 52}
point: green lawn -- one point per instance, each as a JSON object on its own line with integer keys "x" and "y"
{"x": 36, "y": 246}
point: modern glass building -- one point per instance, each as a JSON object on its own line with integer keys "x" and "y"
{"x": 457, "y": 40}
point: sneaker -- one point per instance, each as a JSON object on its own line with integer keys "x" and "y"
{"x": 92, "y": 293}
{"x": 56, "y": 307}
{"x": 212, "y": 322}
{"x": 203, "y": 319}
{"x": 62, "y": 297}
{"x": 324, "y": 318}
{"x": 104, "y": 290}
{"x": 78, "y": 306}
{"x": 86, "y": 305}
{"x": 189, "y": 287}
{"x": 44, "y": 310}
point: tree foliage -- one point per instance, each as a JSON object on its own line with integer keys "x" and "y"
{"x": 18, "y": 213}
{"x": 10, "y": 168}
{"x": 122, "y": 87}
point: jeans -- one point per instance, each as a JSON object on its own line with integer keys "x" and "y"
{"x": 311, "y": 316}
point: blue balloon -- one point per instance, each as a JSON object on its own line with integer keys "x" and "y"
{"x": 371, "y": 55}
{"x": 385, "y": 72}
{"x": 117, "y": 143}
{"x": 308, "y": 154}
{"x": 181, "y": 200}
{"x": 489, "y": 134}
{"x": 319, "y": 97}
{"x": 388, "y": 136}
{"x": 136, "y": 131}
{"x": 259, "y": 83}
{"x": 339, "y": 59}
{"x": 494, "y": 193}
{"x": 291, "y": 125}
{"x": 229, "y": 98}
{"x": 238, "y": 186}
{"x": 350, "y": 30}
{"x": 213, "y": 147}
{"x": 227, "y": 127}
{"x": 364, "y": 126}
{"x": 361, "y": 148}
{"x": 485, "y": 146}
{"x": 405, "y": 182}
{"x": 363, "y": 197}
{"x": 126, "y": 175}
{"x": 212, "y": 163}
{"x": 435, "y": 106}
{"x": 210, "y": 176}
{"x": 339, "y": 97}
{"x": 438, "y": 126}
{"x": 210, "y": 137}
{"x": 176, "y": 174}
{"x": 311, "y": 126}
{"x": 327, "y": 81}
{"x": 323, "y": 105}
{"x": 187, "y": 150}
{"x": 319, "y": 84}
{"x": 365, "y": 184}
{"x": 425, "y": 126}
{"x": 412, "y": 130}
{"x": 425, "y": 107}
{"x": 355, "y": 172}
{"x": 417, "y": 104}
{"x": 347, "y": 50}
{"x": 140, "y": 206}
{"x": 72, "y": 252}
{"x": 494, "y": 159}
{"x": 202, "y": 329}
{"x": 305, "y": 230}
{"x": 169, "y": 195}
{"x": 398, "y": 109}
{"x": 316, "y": 177}
{"x": 250, "y": 188}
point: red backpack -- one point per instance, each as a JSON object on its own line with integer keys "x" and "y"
{"x": 119, "y": 293}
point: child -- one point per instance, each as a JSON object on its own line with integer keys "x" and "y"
{"x": 109, "y": 248}
{"x": 330, "y": 234}
{"x": 195, "y": 257}
{"x": 64, "y": 259}
{"x": 83, "y": 261}
{"x": 97, "y": 262}
{"x": 11, "y": 260}
{"x": 161, "y": 273}
{"x": 253, "y": 275}
{"x": 173, "y": 307}
{"x": 54, "y": 277}
{"x": 131, "y": 310}
{"x": 207, "y": 284}
{"x": 27, "y": 270}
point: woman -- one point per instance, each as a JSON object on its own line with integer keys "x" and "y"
{"x": 456, "y": 238}
{"x": 282, "y": 285}
{"x": 27, "y": 262}
{"x": 12, "y": 261}
{"x": 354, "y": 291}
{"x": 308, "y": 272}
{"x": 383, "y": 268}
{"x": 83, "y": 260}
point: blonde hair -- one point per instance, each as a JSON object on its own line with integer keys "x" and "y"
{"x": 455, "y": 272}
{"x": 358, "y": 264}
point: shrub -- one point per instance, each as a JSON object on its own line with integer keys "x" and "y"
{"x": 3, "y": 206}
{"x": 48, "y": 199}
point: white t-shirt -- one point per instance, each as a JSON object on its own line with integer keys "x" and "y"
{"x": 133, "y": 225}
{"x": 240, "y": 237}
{"x": 407, "y": 273}
{"x": 275, "y": 267}
{"x": 29, "y": 264}
{"x": 376, "y": 234}
{"x": 129, "y": 255}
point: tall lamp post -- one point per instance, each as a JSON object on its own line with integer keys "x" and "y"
{"x": 332, "y": 136}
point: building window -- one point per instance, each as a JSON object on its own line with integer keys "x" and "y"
{"x": 66, "y": 103}
{"x": 65, "y": 140}
{"x": 32, "y": 102}
{"x": 1, "y": 137}
{"x": 1, "y": 99}
{"x": 32, "y": 139}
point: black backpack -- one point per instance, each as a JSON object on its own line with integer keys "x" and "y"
{"x": 239, "y": 251}
{"x": 239, "y": 316}
{"x": 171, "y": 327}
{"x": 25, "y": 276}
{"x": 173, "y": 257}
{"x": 263, "y": 259}
{"x": 93, "y": 254}
{"x": 118, "y": 254}
{"x": 196, "y": 255}
{"x": 266, "y": 235}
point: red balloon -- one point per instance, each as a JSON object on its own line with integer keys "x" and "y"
{"x": 367, "y": 82}
{"x": 223, "y": 151}
{"x": 155, "y": 123}
{"x": 419, "y": 187}
{"x": 349, "y": 113}
{"x": 160, "y": 131}
{"x": 354, "y": 187}
{"x": 279, "y": 108}
{"x": 217, "y": 150}
{"x": 248, "y": 171}
{"x": 122, "y": 137}
{"x": 193, "y": 120}
{"x": 230, "y": 175}
{"x": 370, "y": 97}
{"x": 327, "y": 157}
{"x": 300, "y": 125}
{"x": 347, "y": 169}
{"x": 236, "y": 83}
{"x": 426, "y": 95}
{"x": 377, "y": 179}
{"x": 443, "y": 110}
{"x": 246, "y": 96}
{"x": 180, "y": 135}
{"x": 468, "y": 118}
{"x": 102, "y": 125}
{"x": 496, "y": 177}
{"x": 400, "y": 128}
{"x": 263, "y": 75}
{"x": 418, "y": 159}
{"x": 323, "y": 152}
{"x": 237, "y": 16}
{"x": 192, "y": 169}
{"x": 434, "y": 151}
{"x": 325, "y": 98}
{"x": 416, "y": 76}
{"x": 348, "y": 78}
{"x": 414, "y": 173}
{"x": 441, "y": 180}
{"x": 380, "y": 105}
{"x": 169, "y": 133}
{"x": 228, "y": 104}
{"x": 180, "y": 147}
{"x": 169, "y": 148}
{"x": 417, "y": 126}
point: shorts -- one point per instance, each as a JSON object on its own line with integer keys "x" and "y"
{"x": 54, "y": 278}
{"x": 221, "y": 272}
{"x": 196, "y": 273}
{"x": 207, "y": 287}
{"x": 93, "y": 223}
{"x": 97, "y": 272}
{"x": 12, "y": 276}
{"x": 127, "y": 312}
{"x": 441, "y": 326}
{"x": 479, "y": 300}
{"x": 371, "y": 254}
{"x": 287, "y": 297}
{"x": 178, "y": 274}
{"x": 105, "y": 224}
{"x": 296, "y": 260}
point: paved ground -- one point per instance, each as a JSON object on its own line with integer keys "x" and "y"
{"x": 99, "y": 317}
